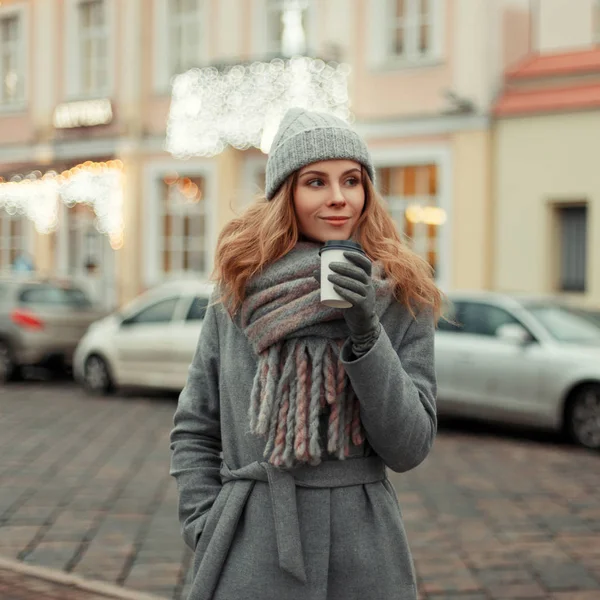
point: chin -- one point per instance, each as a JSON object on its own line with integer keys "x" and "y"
{"x": 326, "y": 236}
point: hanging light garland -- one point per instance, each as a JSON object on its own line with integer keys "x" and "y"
{"x": 242, "y": 105}
{"x": 99, "y": 185}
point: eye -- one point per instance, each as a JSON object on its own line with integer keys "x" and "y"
{"x": 315, "y": 183}
{"x": 352, "y": 181}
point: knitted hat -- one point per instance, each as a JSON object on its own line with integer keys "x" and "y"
{"x": 305, "y": 137}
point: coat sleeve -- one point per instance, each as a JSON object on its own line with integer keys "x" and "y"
{"x": 196, "y": 436}
{"x": 396, "y": 387}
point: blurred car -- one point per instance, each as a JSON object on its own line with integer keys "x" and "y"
{"x": 41, "y": 322}
{"x": 588, "y": 314}
{"x": 522, "y": 360}
{"x": 150, "y": 343}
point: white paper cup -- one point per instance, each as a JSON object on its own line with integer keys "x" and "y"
{"x": 334, "y": 252}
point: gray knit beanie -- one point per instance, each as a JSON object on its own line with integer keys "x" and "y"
{"x": 305, "y": 137}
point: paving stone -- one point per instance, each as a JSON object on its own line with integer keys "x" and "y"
{"x": 85, "y": 486}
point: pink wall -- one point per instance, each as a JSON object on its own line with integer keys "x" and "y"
{"x": 402, "y": 91}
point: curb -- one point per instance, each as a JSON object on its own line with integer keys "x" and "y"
{"x": 60, "y": 577}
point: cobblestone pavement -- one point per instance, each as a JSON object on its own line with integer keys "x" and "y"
{"x": 84, "y": 489}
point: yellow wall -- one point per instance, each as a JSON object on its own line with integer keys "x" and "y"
{"x": 129, "y": 258}
{"x": 471, "y": 211}
{"x": 541, "y": 161}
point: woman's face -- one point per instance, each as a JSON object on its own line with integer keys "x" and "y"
{"x": 328, "y": 199}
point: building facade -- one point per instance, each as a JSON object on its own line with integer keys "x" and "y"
{"x": 546, "y": 139}
{"x": 86, "y": 90}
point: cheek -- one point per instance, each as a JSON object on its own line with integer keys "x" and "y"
{"x": 305, "y": 204}
{"x": 358, "y": 201}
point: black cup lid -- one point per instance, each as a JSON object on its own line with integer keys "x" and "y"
{"x": 342, "y": 245}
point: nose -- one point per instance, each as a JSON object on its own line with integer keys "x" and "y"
{"x": 336, "y": 198}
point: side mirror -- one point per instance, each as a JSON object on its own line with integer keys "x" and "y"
{"x": 511, "y": 332}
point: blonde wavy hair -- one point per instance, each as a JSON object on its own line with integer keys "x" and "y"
{"x": 268, "y": 230}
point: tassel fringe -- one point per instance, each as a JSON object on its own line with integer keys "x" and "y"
{"x": 294, "y": 383}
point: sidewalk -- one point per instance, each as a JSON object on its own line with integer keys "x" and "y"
{"x": 24, "y": 582}
{"x": 85, "y": 490}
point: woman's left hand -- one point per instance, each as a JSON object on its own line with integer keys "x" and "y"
{"x": 353, "y": 283}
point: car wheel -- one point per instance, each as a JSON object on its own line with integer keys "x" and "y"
{"x": 7, "y": 364}
{"x": 96, "y": 376}
{"x": 583, "y": 416}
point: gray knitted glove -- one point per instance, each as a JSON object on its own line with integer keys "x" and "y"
{"x": 353, "y": 283}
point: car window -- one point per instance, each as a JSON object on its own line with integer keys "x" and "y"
{"x": 160, "y": 312}
{"x": 565, "y": 324}
{"x": 449, "y": 320}
{"x": 484, "y": 319}
{"x": 197, "y": 309}
{"x": 53, "y": 295}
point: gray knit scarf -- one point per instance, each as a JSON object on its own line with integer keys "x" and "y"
{"x": 298, "y": 342}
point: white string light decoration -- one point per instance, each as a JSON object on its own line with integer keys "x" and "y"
{"x": 99, "y": 185}
{"x": 35, "y": 198}
{"x": 241, "y": 106}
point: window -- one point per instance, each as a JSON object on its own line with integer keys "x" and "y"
{"x": 11, "y": 60}
{"x": 573, "y": 248}
{"x": 184, "y": 35}
{"x": 411, "y": 28}
{"x": 183, "y": 240}
{"x": 197, "y": 309}
{"x": 566, "y": 324}
{"x": 449, "y": 320}
{"x": 93, "y": 45}
{"x": 411, "y": 193}
{"x": 13, "y": 239}
{"x": 484, "y": 319}
{"x": 58, "y": 296}
{"x": 161, "y": 312}
{"x": 86, "y": 246}
{"x": 286, "y": 27}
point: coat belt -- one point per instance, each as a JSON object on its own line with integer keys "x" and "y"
{"x": 282, "y": 487}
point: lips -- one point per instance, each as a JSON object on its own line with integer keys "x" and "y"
{"x": 336, "y": 220}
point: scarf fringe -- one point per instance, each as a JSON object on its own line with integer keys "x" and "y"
{"x": 294, "y": 383}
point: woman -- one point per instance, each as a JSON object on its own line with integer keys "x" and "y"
{"x": 292, "y": 409}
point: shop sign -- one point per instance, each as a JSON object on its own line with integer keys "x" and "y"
{"x": 84, "y": 113}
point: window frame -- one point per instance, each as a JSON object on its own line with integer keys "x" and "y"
{"x": 460, "y": 305}
{"x": 261, "y": 47}
{"x": 181, "y": 22}
{"x": 180, "y": 243}
{"x": 154, "y": 174}
{"x": 20, "y": 12}
{"x": 440, "y": 155}
{"x": 190, "y": 305}
{"x": 563, "y": 282}
{"x": 6, "y": 238}
{"x": 381, "y": 17}
{"x": 73, "y": 50}
{"x": 398, "y": 204}
{"x": 130, "y": 320}
{"x": 162, "y": 75}
{"x": 94, "y": 35}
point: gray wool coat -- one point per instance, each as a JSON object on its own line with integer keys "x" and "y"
{"x": 327, "y": 532}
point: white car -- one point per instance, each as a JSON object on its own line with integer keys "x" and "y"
{"x": 150, "y": 343}
{"x": 521, "y": 360}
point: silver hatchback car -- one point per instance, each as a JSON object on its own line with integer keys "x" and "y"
{"x": 523, "y": 360}
{"x": 41, "y": 322}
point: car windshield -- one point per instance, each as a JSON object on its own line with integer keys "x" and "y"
{"x": 565, "y": 324}
{"x": 54, "y": 295}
